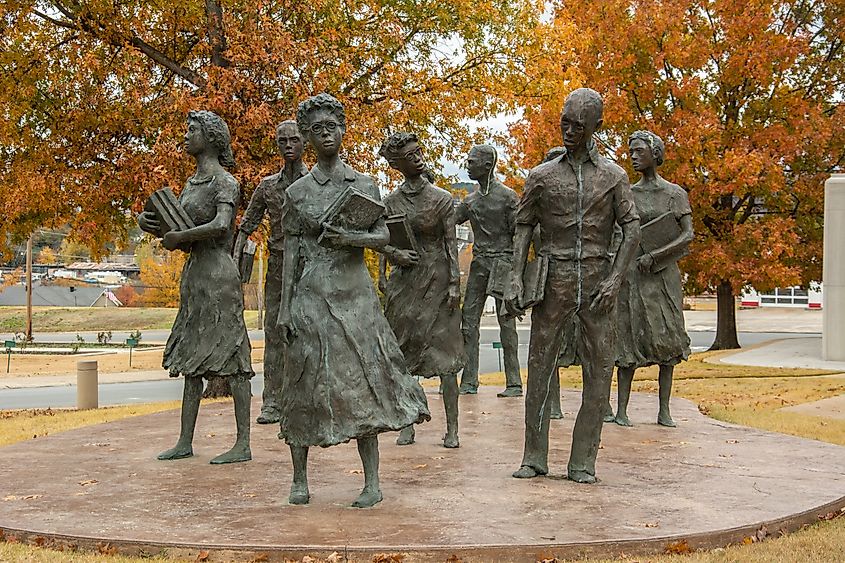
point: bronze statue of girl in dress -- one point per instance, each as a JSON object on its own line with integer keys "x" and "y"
{"x": 650, "y": 304}
{"x": 422, "y": 293}
{"x": 344, "y": 377}
{"x": 208, "y": 338}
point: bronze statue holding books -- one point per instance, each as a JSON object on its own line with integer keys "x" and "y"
{"x": 576, "y": 199}
{"x": 269, "y": 198}
{"x": 422, "y": 293}
{"x": 650, "y": 309}
{"x": 491, "y": 210}
{"x": 208, "y": 338}
{"x": 344, "y": 377}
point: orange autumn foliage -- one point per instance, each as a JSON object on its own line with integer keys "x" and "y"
{"x": 94, "y": 94}
{"x": 748, "y": 97}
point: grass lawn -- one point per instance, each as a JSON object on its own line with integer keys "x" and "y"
{"x": 79, "y": 319}
{"x": 27, "y": 365}
{"x": 743, "y": 395}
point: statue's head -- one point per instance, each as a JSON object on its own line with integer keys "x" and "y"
{"x": 481, "y": 162}
{"x": 403, "y": 152}
{"x": 289, "y": 140}
{"x": 646, "y": 150}
{"x": 322, "y": 121}
{"x": 581, "y": 117}
{"x": 208, "y": 132}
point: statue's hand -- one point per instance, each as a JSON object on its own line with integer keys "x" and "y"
{"x": 148, "y": 221}
{"x": 605, "y": 296}
{"x": 513, "y": 297}
{"x": 171, "y": 240}
{"x": 240, "y": 244}
{"x": 284, "y": 325}
{"x": 338, "y": 236}
{"x": 645, "y": 262}
{"x": 454, "y": 295}
{"x": 406, "y": 257}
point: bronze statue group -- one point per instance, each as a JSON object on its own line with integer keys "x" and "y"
{"x": 602, "y": 284}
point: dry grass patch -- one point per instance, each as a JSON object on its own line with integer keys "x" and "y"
{"x": 79, "y": 319}
{"x": 17, "y": 426}
{"x": 28, "y": 365}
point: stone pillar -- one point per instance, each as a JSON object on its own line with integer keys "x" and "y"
{"x": 87, "y": 392}
{"x": 833, "y": 278}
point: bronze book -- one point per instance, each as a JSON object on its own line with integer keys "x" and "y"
{"x": 352, "y": 210}
{"x": 171, "y": 216}
{"x": 656, "y": 234}
{"x": 401, "y": 235}
{"x": 247, "y": 261}
{"x": 533, "y": 281}
{"x": 500, "y": 278}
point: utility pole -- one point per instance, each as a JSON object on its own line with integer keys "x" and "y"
{"x": 29, "y": 289}
{"x": 260, "y": 287}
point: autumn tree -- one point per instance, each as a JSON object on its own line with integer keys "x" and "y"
{"x": 748, "y": 98}
{"x": 94, "y": 94}
{"x": 47, "y": 256}
{"x": 160, "y": 279}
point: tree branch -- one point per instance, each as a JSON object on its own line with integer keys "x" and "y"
{"x": 216, "y": 35}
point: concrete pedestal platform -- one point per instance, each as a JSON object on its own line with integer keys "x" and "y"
{"x": 705, "y": 482}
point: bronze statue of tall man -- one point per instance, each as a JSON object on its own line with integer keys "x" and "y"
{"x": 575, "y": 198}
{"x": 269, "y": 198}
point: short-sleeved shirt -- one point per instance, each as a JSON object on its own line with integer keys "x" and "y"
{"x": 493, "y": 219}
{"x": 576, "y": 205}
{"x": 654, "y": 200}
{"x": 269, "y": 196}
{"x": 200, "y": 200}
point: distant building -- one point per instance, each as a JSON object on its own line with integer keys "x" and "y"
{"x": 795, "y": 297}
{"x": 58, "y": 296}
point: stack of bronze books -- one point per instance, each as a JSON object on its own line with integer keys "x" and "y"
{"x": 171, "y": 216}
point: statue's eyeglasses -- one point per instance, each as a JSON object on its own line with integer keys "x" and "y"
{"x": 329, "y": 126}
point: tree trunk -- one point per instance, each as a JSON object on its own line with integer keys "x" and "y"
{"x": 217, "y": 387}
{"x": 726, "y": 338}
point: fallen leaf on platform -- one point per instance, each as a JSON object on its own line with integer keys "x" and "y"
{"x": 683, "y": 443}
{"x": 250, "y": 495}
{"x": 98, "y": 444}
{"x": 421, "y": 466}
{"x": 438, "y": 457}
{"x": 484, "y": 412}
{"x": 388, "y": 557}
{"x": 88, "y": 482}
{"x": 210, "y": 435}
{"x": 651, "y": 524}
{"x": 10, "y": 497}
{"x": 732, "y": 441}
{"x": 31, "y": 497}
{"x": 203, "y": 555}
{"x": 677, "y": 547}
{"x": 356, "y": 471}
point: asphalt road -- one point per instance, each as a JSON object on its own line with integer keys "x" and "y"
{"x": 166, "y": 390}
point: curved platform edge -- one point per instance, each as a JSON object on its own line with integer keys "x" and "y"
{"x": 434, "y": 553}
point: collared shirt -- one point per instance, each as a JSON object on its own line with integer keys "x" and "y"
{"x": 493, "y": 219}
{"x": 269, "y": 196}
{"x": 576, "y": 205}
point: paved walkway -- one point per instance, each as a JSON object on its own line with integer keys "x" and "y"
{"x": 786, "y": 353}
